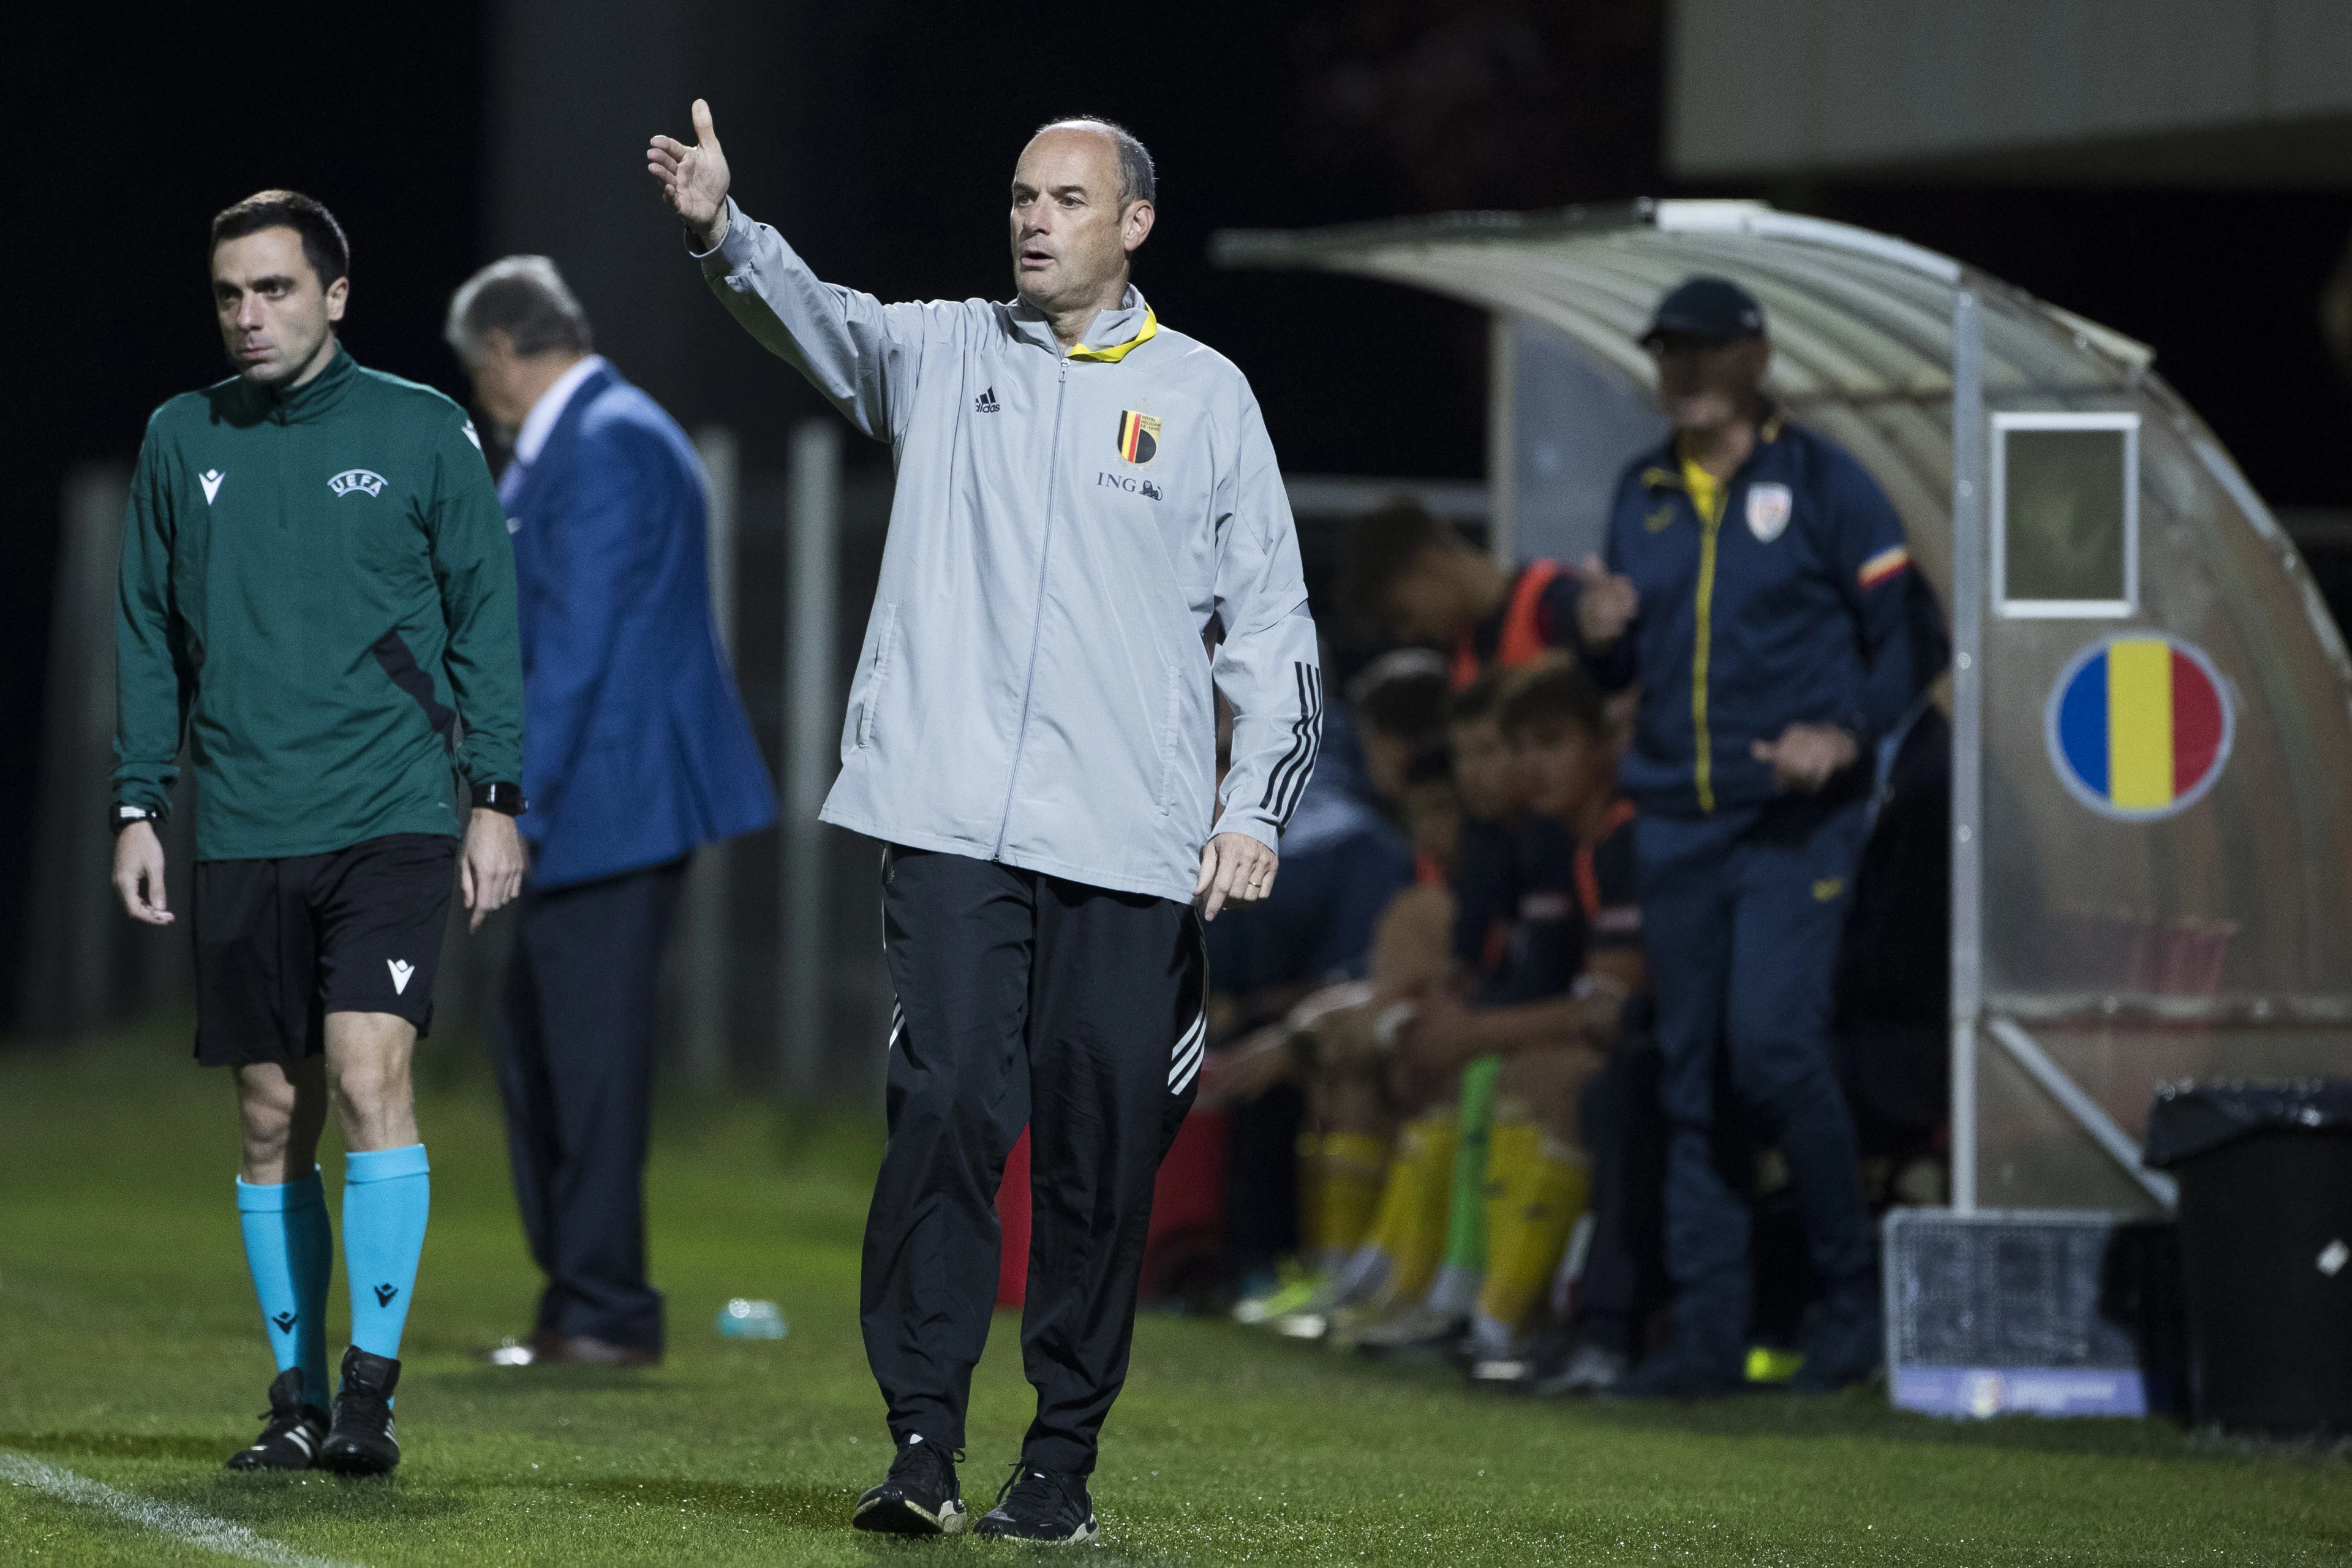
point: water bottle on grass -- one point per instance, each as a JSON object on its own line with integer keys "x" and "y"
{"x": 742, "y": 1319}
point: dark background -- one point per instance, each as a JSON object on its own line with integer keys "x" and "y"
{"x": 881, "y": 145}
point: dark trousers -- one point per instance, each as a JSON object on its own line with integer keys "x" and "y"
{"x": 1262, "y": 1180}
{"x": 1740, "y": 915}
{"x": 1022, "y": 1000}
{"x": 575, "y": 1057}
{"x": 1624, "y": 1269}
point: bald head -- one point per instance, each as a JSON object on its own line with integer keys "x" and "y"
{"x": 1081, "y": 204}
{"x": 1138, "y": 182}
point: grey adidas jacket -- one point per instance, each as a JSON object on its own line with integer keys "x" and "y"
{"x": 1034, "y": 687}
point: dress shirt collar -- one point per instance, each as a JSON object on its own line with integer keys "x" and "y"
{"x": 539, "y": 423}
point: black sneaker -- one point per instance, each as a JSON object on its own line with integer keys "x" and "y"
{"x": 295, "y": 1430}
{"x": 918, "y": 1497}
{"x": 360, "y": 1442}
{"x": 1847, "y": 1345}
{"x": 1043, "y": 1507}
{"x": 1679, "y": 1375}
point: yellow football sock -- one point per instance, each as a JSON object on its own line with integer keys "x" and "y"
{"x": 1307, "y": 1157}
{"x": 1350, "y": 1170}
{"x": 1413, "y": 1209}
{"x": 1544, "y": 1186}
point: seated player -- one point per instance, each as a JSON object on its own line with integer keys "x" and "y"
{"x": 1318, "y": 1051}
{"x": 1395, "y": 709}
{"x": 1556, "y": 1011}
{"x": 1342, "y": 864}
{"x": 1420, "y": 1262}
{"x": 1410, "y": 573}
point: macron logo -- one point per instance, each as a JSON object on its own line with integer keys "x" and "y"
{"x": 211, "y": 479}
{"x": 351, "y": 479}
{"x": 400, "y": 973}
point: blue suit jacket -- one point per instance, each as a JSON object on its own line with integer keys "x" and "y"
{"x": 636, "y": 745}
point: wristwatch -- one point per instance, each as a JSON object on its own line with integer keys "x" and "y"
{"x": 505, "y": 797}
{"x": 120, "y": 816}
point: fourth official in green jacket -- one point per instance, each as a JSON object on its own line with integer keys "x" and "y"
{"x": 321, "y": 575}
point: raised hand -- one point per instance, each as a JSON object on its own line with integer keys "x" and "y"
{"x": 1606, "y": 605}
{"x": 693, "y": 180}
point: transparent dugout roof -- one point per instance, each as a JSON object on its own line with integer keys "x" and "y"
{"x": 2210, "y": 938}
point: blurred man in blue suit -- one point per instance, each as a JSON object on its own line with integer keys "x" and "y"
{"x": 636, "y": 750}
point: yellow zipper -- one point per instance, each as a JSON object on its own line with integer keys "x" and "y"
{"x": 1703, "y": 767}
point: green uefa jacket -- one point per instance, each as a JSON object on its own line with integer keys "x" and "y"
{"x": 318, "y": 591}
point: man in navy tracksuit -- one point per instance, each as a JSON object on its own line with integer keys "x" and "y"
{"x": 1754, "y": 586}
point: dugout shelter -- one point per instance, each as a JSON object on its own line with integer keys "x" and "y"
{"x": 2151, "y": 705}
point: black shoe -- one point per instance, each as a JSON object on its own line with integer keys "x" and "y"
{"x": 1845, "y": 1345}
{"x": 918, "y": 1497}
{"x": 1045, "y": 1507}
{"x": 1586, "y": 1369}
{"x": 1679, "y": 1375}
{"x": 360, "y": 1442}
{"x": 296, "y": 1429}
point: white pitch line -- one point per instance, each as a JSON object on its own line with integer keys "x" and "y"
{"x": 186, "y": 1525}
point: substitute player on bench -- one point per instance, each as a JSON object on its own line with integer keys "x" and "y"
{"x": 1082, "y": 493}
{"x": 316, "y": 588}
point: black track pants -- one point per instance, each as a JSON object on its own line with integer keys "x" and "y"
{"x": 1022, "y": 1000}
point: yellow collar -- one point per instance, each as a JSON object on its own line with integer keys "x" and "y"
{"x": 1115, "y": 352}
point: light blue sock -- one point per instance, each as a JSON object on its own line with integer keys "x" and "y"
{"x": 386, "y": 1194}
{"x": 289, "y": 1247}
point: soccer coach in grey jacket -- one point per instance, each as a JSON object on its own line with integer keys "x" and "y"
{"x": 1082, "y": 495}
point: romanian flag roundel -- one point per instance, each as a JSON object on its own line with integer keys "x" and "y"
{"x": 2139, "y": 726}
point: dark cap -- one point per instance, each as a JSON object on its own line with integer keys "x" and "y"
{"x": 1714, "y": 310}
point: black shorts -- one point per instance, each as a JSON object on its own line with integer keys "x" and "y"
{"x": 282, "y": 944}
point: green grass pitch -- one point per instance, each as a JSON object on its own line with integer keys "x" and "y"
{"x": 130, "y": 1358}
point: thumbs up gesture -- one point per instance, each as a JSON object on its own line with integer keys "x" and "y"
{"x": 693, "y": 180}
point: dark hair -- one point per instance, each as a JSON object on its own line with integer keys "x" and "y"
{"x": 1403, "y": 694}
{"x": 525, "y": 297}
{"x": 1138, "y": 181}
{"x": 323, "y": 245}
{"x": 1380, "y": 547}
{"x": 1479, "y": 700}
{"x": 1546, "y": 697}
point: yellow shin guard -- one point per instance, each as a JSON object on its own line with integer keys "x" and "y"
{"x": 1536, "y": 1188}
{"x": 1350, "y": 1170}
{"x": 1411, "y": 1227}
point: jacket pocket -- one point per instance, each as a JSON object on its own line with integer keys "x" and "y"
{"x": 878, "y": 675}
{"x": 1171, "y": 739}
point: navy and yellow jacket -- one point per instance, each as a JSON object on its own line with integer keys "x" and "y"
{"x": 1790, "y": 605}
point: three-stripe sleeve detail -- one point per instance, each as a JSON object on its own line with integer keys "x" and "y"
{"x": 898, "y": 1026}
{"x": 1288, "y": 780}
{"x": 1186, "y": 1062}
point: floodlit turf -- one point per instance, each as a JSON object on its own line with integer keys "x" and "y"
{"x": 128, "y": 1357}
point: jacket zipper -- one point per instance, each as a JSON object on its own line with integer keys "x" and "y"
{"x": 1037, "y": 626}
{"x": 1702, "y": 641}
